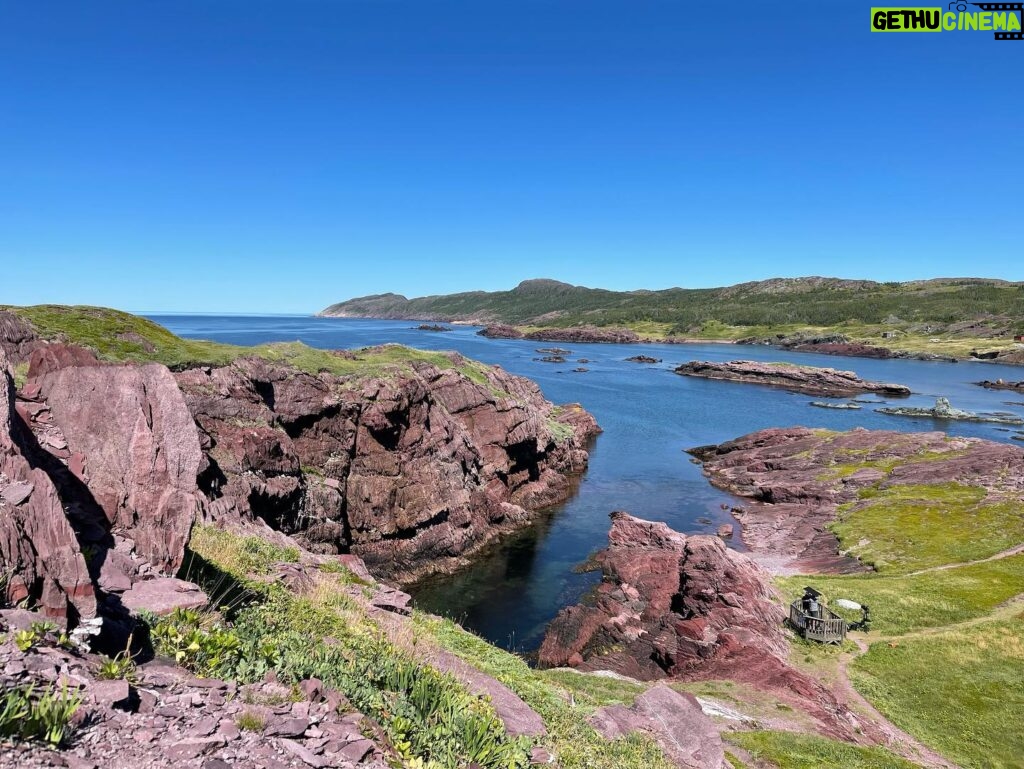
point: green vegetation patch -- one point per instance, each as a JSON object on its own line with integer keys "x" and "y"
{"x": 120, "y": 337}
{"x": 572, "y": 739}
{"x": 959, "y": 691}
{"x": 904, "y": 528}
{"x": 932, "y": 600}
{"x": 790, "y": 750}
{"x": 428, "y": 716}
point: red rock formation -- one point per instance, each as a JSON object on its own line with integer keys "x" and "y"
{"x": 39, "y": 554}
{"x": 686, "y": 607}
{"x": 413, "y": 471}
{"x": 784, "y": 472}
{"x": 805, "y": 379}
{"x": 130, "y": 437}
{"x": 669, "y": 603}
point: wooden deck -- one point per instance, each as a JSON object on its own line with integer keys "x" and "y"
{"x": 827, "y": 628}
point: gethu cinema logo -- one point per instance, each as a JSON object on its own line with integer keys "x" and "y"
{"x": 1003, "y": 19}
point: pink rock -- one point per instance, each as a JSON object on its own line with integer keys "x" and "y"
{"x": 142, "y": 447}
{"x": 163, "y": 595}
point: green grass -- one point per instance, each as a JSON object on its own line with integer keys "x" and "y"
{"x": 905, "y": 604}
{"x": 119, "y": 337}
{"x": 572, "y": 739}
{"x": 240, "y": 557}
{"x": 789, "y": 750}
{"x": 904, "y": 528}
{"x": 959, "y": 692}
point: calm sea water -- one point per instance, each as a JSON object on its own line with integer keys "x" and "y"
{"x": 649, "y": 416}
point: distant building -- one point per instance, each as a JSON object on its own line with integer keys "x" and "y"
{"x": 1019, "y": 338}
{"x": 888, "y": 335}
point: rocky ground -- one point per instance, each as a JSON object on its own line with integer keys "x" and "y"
{"x": 804, "y": 379}
{"x": 793, "y": 495}
{"x": 166, "y": 717}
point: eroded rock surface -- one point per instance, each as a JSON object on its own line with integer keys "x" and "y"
{"x": 39, "y": 552}
{"x": 669, "y": 603}
{"x": 686, "y": 608}
{"x": 413, "y": 472}
{"x": 796, "y": 478}
{"x": 129, "y": 438}
{"x": 804, "y": 379}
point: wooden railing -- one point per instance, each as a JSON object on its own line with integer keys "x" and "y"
{"x": 828, "y": 627}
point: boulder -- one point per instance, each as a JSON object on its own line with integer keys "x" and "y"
{"x": 140, "y": 451}
{"x": 688, "y": 738}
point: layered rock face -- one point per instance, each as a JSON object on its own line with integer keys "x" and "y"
{"x": 785, "y": 472}
{"x": 669, "y": 604}
{"x": 131, "y": 440}
{"x": 804, "y": 379}
{"x": 686, "y": 608}
{"x": 17, "y": 337}
{"x": 100, "y": 471}
{"x": 39, "y": 552}
{"x": 413, "y": 472}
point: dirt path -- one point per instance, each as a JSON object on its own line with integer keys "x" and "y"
{"x": 898, "y": 740}
{"x": 1016, "y": 550}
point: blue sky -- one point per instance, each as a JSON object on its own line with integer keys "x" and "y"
{"x": 277, "y": 157}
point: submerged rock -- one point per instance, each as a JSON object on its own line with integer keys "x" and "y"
{"x": 827, "y": 405}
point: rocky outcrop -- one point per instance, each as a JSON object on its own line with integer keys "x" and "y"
{"x": 686, "y": 608}
{"x": 39, "y": 553}
{"x": 687, "y": 738}
{"x": 164, "y": 717}
{"x": 669, "y": 604}
{"x": 943, "y": 409}
{"x": 585, "y": 334}
{"x": 796, "y": 478}
{"x": 805, "y": 379}
{"x": 17, "y": 337}
{"x": 643, "y": 359}
{"x": 500, "y": 331}
{"x": 413, "y": 471}
{"x": 127, "y": 435}
{"x": 1001, "y": 384}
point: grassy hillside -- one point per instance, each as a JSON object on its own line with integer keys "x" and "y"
{"x": 962, "y": 308}
{"x": 120, "y": 336}
{"x": 800, "y": 301}
{"x": 945, "y": 653}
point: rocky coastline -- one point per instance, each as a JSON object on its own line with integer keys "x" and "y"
{"x": 804, "y": 379}
{"x": 108, "y": 469}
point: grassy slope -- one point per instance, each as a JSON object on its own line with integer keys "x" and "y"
{"x": 120, "y": 336}
{"x": 787, "y": 750}
{"x": 959, "y": 691}
{"x": 570, "y": 737}
{"x": 950, "y": 662}
{"x": 862, "y": 310}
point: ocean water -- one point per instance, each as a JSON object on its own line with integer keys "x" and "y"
{"x": 638, "y": 464}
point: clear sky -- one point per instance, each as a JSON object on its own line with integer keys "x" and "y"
{"x": 243, "y": 155}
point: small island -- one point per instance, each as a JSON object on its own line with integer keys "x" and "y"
{"x": 827, "y": 382}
